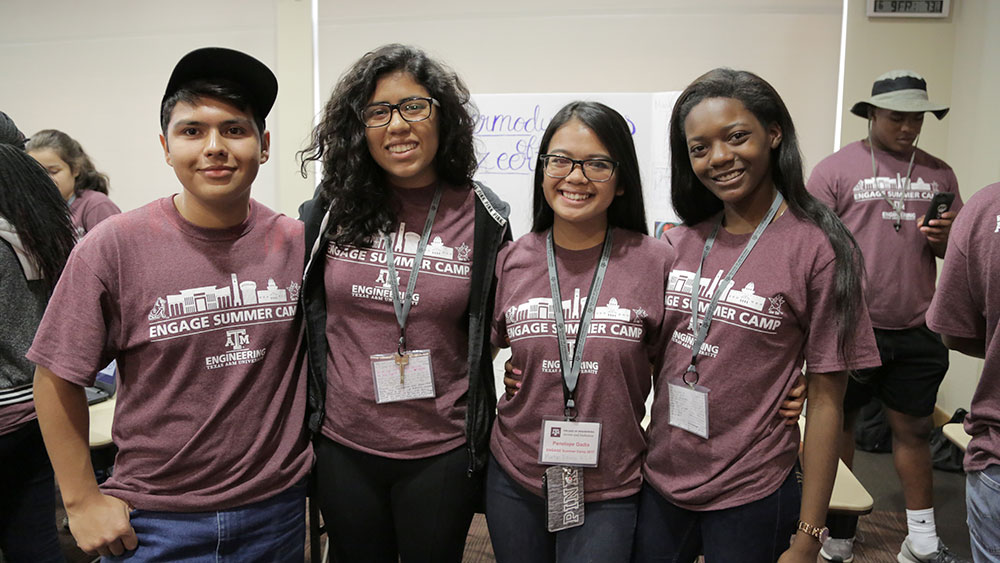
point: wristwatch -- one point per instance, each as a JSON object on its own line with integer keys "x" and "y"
{"x": 815, "y": 531}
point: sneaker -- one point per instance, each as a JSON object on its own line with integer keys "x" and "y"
{"x": 942, "y": 555}
{"x": 839, "y": 550}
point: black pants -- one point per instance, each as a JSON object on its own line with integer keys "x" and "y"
{"x": 378, "y": 509}
{"x": 27, "y": 498}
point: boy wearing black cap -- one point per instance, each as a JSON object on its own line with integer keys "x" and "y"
{"x": 882, "y": 187}
{"x": 195, "y": 295}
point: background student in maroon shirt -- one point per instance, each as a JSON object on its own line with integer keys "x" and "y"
{"x": 83, "y": 187}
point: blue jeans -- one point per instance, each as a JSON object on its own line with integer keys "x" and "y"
{"x": 982, "y": 499}
{"x": 28, "y": 498}
{"x": 757, "y": 532}
{"x": 518, "y": 526}
{"x": 271, "y": 530}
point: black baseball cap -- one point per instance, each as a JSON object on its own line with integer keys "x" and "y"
{"x": 218, "y": 62}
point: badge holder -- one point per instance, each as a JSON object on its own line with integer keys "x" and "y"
{"x": 689, "y": 404}
{"x": 563, "y": 487}
{"x": 403, "y": 376}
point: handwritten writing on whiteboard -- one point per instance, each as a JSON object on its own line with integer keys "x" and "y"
{"x": 510, "y": 128}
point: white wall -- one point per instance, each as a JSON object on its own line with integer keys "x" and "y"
{"x": 97, "y": 71}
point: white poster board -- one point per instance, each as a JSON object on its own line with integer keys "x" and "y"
{"x": 510, "y": 127}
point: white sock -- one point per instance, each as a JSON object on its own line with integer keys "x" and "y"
{"x": 922, "y": 531}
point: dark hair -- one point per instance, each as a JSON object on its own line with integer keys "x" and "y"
{"x": 31, "y": 202}
{"x": 71, "y": 152}
{"x": 9, "y": 133}
{"x": 223, "y": 90}
{"x": 694, "y": 203}
{"x": 626, "y": 211}
{"x": 353, "y": 183}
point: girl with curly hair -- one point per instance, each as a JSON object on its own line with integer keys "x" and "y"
{"x": 401, "y": 381}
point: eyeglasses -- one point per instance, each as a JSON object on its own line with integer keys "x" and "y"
{"x": 411, "y": 110}
{"x": 594, "y": 169}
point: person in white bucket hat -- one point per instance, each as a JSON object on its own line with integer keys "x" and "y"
{"x": 881, "y": 187}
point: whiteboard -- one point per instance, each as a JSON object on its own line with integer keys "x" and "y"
{"x": 510, "y": 127}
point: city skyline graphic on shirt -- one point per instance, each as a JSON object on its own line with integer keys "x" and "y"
{"x": 888, "y": 187}
{"x": 540, "y": 308}
{"x": 410, "y": 241}
{"x": 235, "y": 295}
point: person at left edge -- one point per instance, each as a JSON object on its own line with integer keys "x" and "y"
{"x": 400, "y": 458}
{"x": 36, "y": 237}
{"x": 195, "y": 296}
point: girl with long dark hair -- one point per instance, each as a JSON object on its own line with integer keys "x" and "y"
{"x": 401, "y": 380}
{"x": 575, "y": 275}
{"x": 83, "y": 187}
{"x": 36, "y": 237}
{"x": 766, "y": 278}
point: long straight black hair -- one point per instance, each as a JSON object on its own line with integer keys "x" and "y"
{"x": 31, "y": 202}
{"x": 694, "y": 203}
{"x": 626, "y": 211}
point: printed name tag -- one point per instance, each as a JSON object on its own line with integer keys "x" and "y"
{"x": 563, "y": 497}
{"x": 689, "y": 407}
{"x": 403, "y": 378}
{"x": 570, "y": 443}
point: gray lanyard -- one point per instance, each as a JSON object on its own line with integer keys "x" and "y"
{"x": 898, "y": 206}
{"x": 571, "y": 370}
{"x": 403, "y": 309}
{"x": 701, "y": 330}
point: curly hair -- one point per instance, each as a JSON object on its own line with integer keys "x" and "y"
{"x": 353, "y": 183}
{"x": 72, "y": 153}
{"x": 626, "y": 211}
{"x": 694, "y": 203}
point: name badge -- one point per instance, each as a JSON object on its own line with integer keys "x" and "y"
{"x": 570, "y": 443}
{"x": 403, "y": 378}
{"x": 563, "y": 497}
{"x": 689, "y": 407}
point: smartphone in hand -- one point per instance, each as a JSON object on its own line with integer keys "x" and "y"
{"x": 940, "y": 203}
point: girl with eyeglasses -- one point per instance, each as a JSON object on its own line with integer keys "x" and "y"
{"x": 766, "y": 278}
{"x": 398, "y": 293}
{"x": 583, "y": 325}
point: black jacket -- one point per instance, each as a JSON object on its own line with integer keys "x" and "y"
{"x": 490, "y": 232}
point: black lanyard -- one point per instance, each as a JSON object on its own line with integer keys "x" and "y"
{"x": 571, "y": 369}
{"x": 403, "y": 309}
{"x": 701, "y": 330}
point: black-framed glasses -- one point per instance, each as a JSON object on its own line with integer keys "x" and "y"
{"x": 410, "y": 109}
{"x": 594, "y": 169}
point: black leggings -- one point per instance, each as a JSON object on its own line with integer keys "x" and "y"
{"x": 378, "y": 509}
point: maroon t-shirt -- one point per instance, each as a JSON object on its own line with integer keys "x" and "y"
{"x": 778, "y": 312}
{"x": 900, "y": 265}
{"x": 967, "y": 305}
{"x": 90, "y": 208}
{"x": 15, "y": 416}
{"x": 361, "y": 322}
{"x": 617, "y": 360}
{"x": 205, "y": 328}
